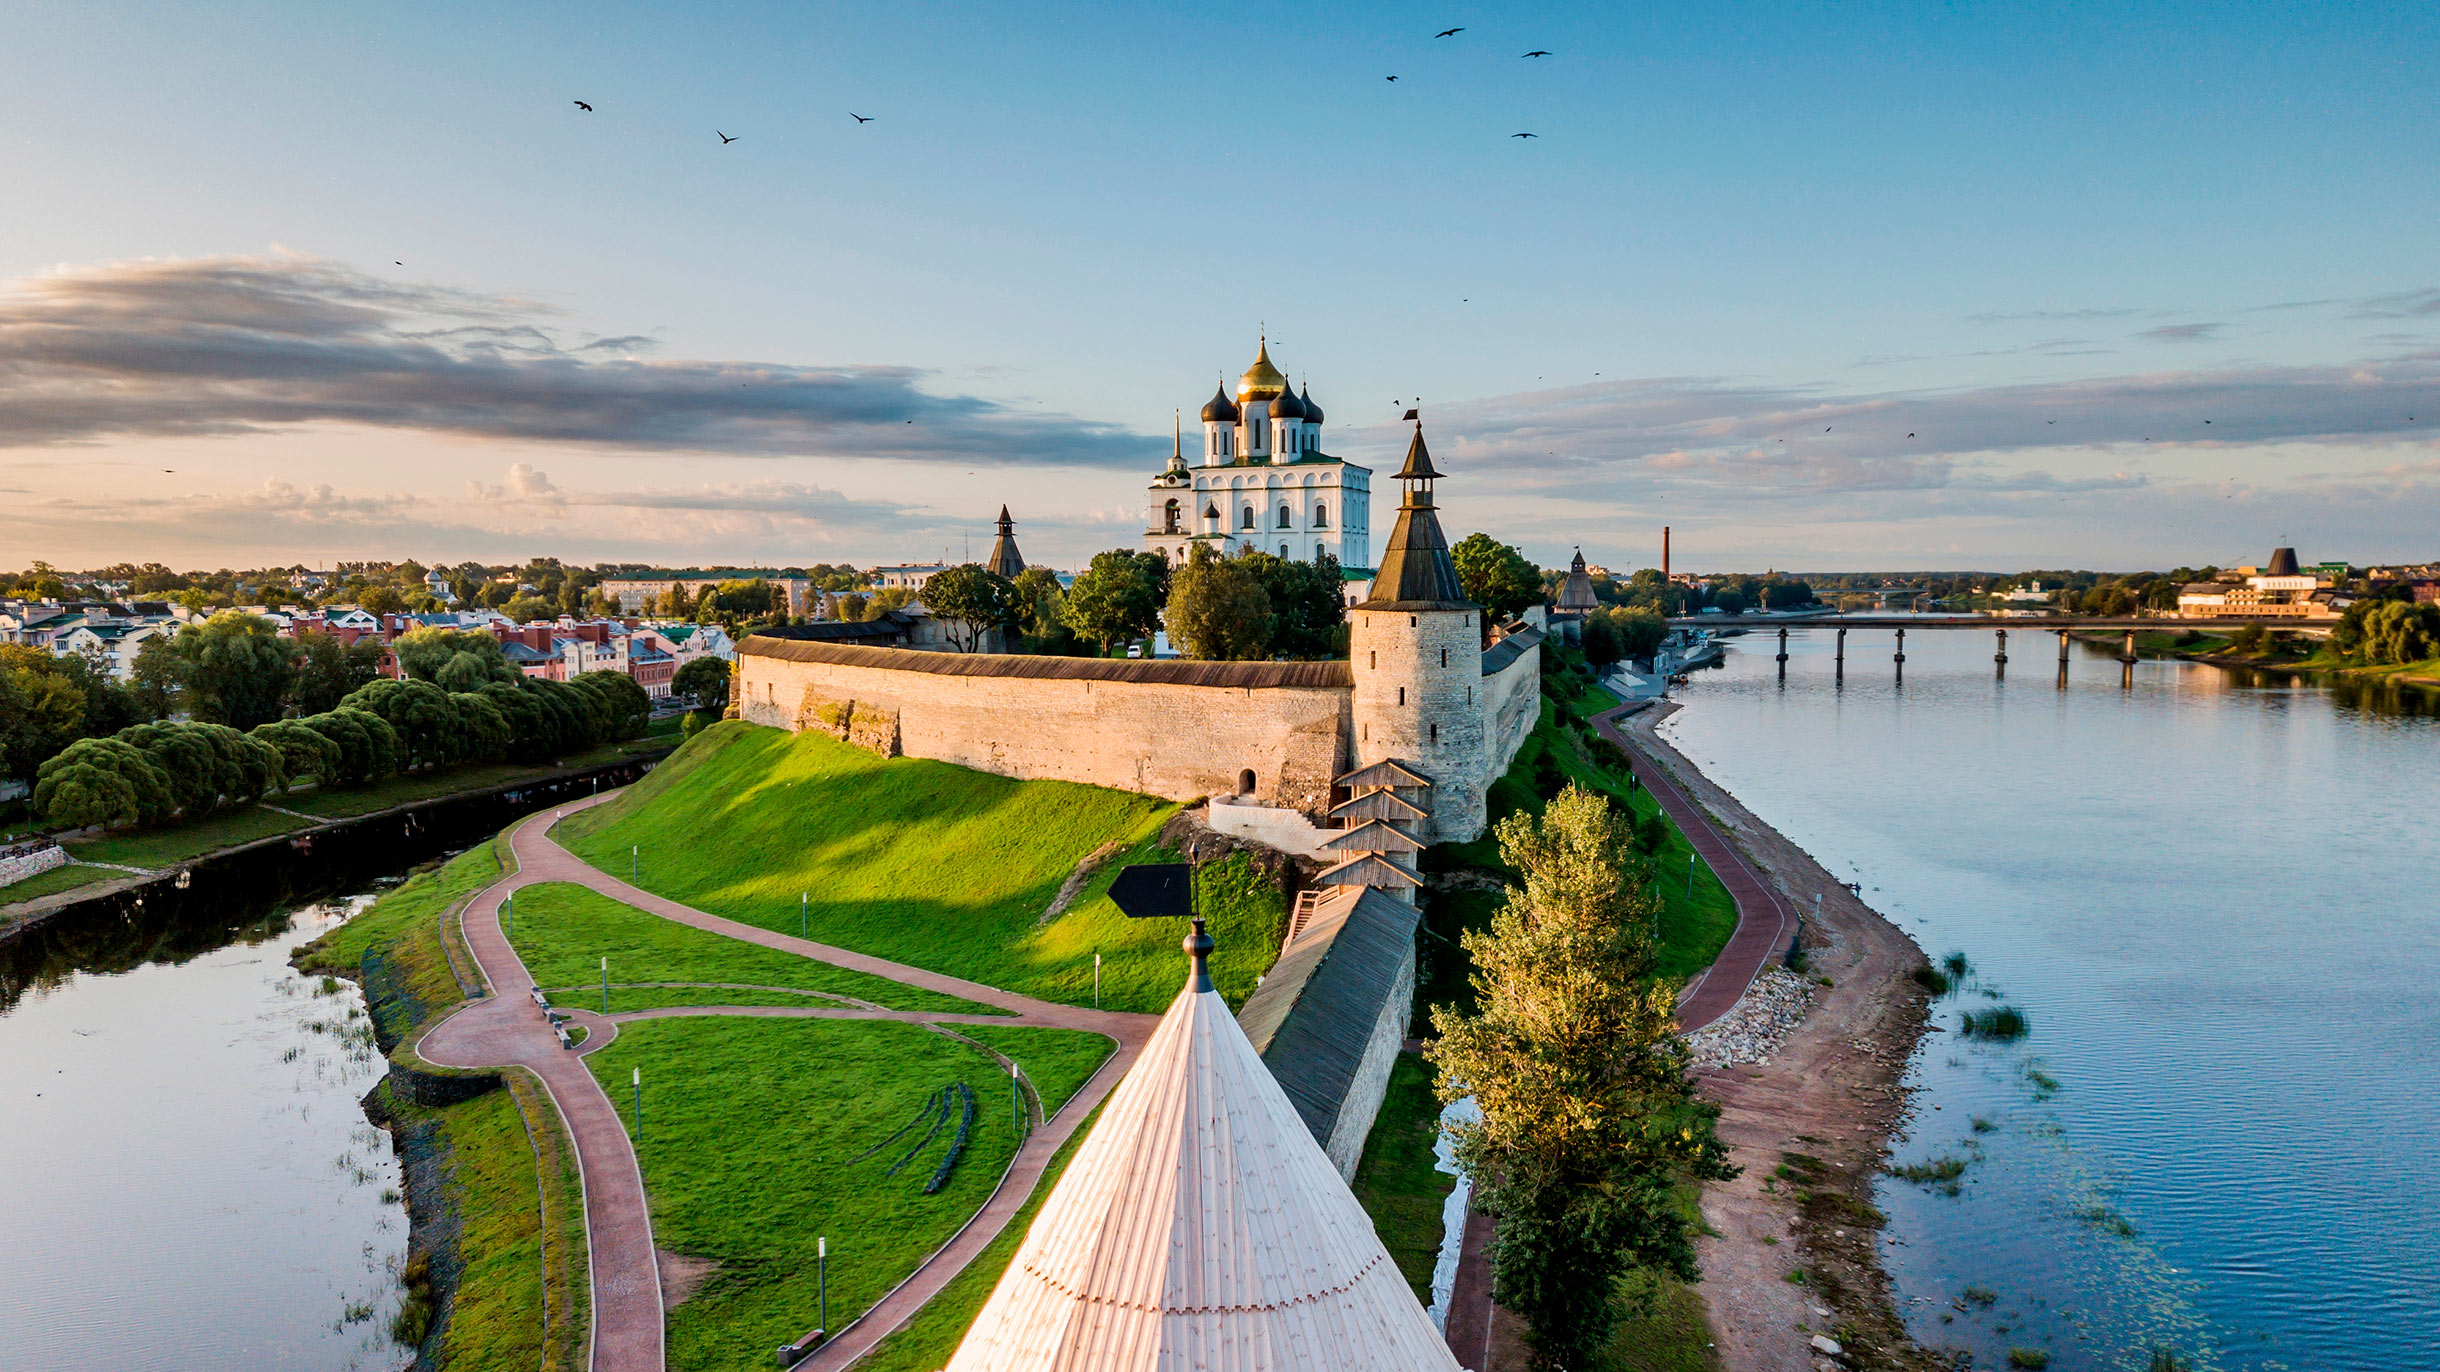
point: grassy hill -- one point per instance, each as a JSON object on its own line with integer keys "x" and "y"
{"x": 922, "y": 862}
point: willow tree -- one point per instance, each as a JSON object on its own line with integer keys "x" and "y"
{"x": 1589, "y": 1123}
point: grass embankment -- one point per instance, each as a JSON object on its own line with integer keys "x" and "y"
{"x": 562, "y": 932}
{"x": 2284, "y": 652}
{"x": 921, "y": 862}
{"x": 502, "y": 1162}
{"x": 169, "y": 846}
{"x": 751, "y": 1134}
{"x": 1398, "y": 1182}
{"x": 53, "y": 882}
{"x": 925, "y": 1342}
{"x": 1694, "y": 925}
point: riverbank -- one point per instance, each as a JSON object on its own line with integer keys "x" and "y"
{"x": 1794, "y": 1255}
{"x": 2213, "y": 650}
{"x": 175, "y": 859}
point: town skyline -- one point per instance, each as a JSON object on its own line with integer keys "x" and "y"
{"x": 2010, "y": 304}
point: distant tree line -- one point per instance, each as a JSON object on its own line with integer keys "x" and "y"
{"x": 460, "y": 702}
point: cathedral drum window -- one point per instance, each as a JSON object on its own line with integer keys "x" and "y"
{"x": 1245, "y": 518}
{"x": 1284, "y": 517}
{"x": 1321, "y": 515}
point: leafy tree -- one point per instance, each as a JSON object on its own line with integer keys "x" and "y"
{"x": 1729, "y": 602}
{"x": 707, "y": 680}
{"x": 328, "y": 671}
{"x": 156, "y": 677}
{"x": 304, "y": 751}
{"x": 1588, "y": 1118}
{"x": 1308, "y": 601}
{"x": 42, "y": 707}
{"x": 1118, "y": 599}
{"x": 236, "y": 669}
{"x": 452, "y": 659}
{"x": 1601, "y": 645}
{"x": 382, "y": 600}
{"x": 525, "y": 609}
{"x": 851, "y": 606}
{"x": 1496, "y": 576}
{"x": 624, "y": 708}
{"x": 483, "y": 733}
{"x": 367, "y": 746}
{"x": 1218, "y": 609}
{"x": 417, "y": 713}
{"x": 970, "y": 601}
{"x": 103, "y": 781}
{"x": 1038, "y": 594}
{"x": 1638, "y": 632}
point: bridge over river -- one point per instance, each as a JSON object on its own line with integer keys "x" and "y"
{"x": 1998, "y": 626}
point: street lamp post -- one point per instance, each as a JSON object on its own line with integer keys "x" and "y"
{"x": 804, "y": 901}
{"x": 1690, "y": 875}
{"x": 1097, "y": 981}
{"x": 634, "y": 861}
{"x": 821, "y": 1258}
{"x": 639, "y": 1107}
{"x": 605, "y": 985}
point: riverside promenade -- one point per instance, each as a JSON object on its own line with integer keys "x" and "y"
{"x": 505, "y": 1028}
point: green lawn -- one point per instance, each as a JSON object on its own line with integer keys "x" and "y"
{"x": 173, "y": 844}
{"x": 395, "y": 947}
{"x": 925, "y": 1342}
{"x": 1398, "y": 1183}
{"x": 917, "y": 861}
{"x": 53, "y": 882}
{"x": 751, "y": 1128}
{"x": 563, "y": 931}
{"x": 496, "y": 1316}
{"x": 1674, "y": 1335}
{"x": 1058, "y": 1061}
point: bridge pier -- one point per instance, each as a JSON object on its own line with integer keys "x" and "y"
{"x": 2062, "y": 659}
{"x": 2126, "y": 664}
{"x": 1999, "y": 660}
{"x": 1840, "y": 662}
{"x": 1900, "y": 660}
{"x": 1783, "y": 652}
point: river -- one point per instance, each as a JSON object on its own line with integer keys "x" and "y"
{"x": 189, "y": 1179}
{"x": 2212, "y": 897}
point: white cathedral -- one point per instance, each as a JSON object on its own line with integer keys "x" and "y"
{"x": 1262, "y": 480}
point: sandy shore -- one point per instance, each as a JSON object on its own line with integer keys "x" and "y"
{"x": 1811, "y": 1127}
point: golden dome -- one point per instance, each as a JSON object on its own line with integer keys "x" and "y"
{"x": 1261, "y": 381}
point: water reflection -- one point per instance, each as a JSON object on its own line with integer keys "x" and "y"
{"x": 2210, "y": 895}
{"x": 191, "y": 1180}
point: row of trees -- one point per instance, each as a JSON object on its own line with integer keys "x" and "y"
{"x": 2386, "y": 632}
{"x": 152, "y": 773}
{"x": 1622, "y": 633}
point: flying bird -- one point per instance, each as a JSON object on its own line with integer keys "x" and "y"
{"x": 396, "y": 263}
{"x": 1393, "y": 78}
{"x": 1524, "y": 135}
{"x": 725, "y": 140}
{"x": 1826, "y": 428}
{"x": 1539, "y": 52}
{"x": 860, "y": 118}
{"x": 1910, "y": 435}
{"x": 1449, "y": 33}
{"x": 585, "y": 107}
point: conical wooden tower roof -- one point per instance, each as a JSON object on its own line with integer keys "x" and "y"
{"x": 1201, "y": 1227}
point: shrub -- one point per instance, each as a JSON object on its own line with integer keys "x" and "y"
{"x": 2030, "y": 1358}
{"x": 1932, "y": 979}
{"x": 2002, "y": 1022}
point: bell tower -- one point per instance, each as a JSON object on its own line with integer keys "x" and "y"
{"x": 1416, "y": 645}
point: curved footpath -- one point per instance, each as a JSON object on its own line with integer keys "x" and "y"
{"x": 1764, "y": 923}
{"x": 506, "y": 1028}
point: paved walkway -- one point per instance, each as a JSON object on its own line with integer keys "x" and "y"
{"x": 1764, "y": 922}
{"x": 506, "y": 1028}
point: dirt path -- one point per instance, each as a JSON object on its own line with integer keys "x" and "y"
{"x": 508, "y": 1028}
{"x": 1830, "y": 1096}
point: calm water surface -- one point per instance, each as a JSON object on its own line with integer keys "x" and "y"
{"x": 186, "y": 1179}
{"x": 2217, "y": 899}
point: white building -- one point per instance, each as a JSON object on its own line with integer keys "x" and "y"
{"x": 1262, "y": 480}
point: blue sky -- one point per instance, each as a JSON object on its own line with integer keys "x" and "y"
{"x": 339, "y": 281}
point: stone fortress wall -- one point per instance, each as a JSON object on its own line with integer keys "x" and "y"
{"x": 1181, "y": 730}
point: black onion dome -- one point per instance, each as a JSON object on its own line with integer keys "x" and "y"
{"x": 1220, "y": 409}
{"x": 1286, "y": 407}
{"x": 1313, "y": 412}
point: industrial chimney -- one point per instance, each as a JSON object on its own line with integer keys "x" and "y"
{"x": 1664, "y": 552}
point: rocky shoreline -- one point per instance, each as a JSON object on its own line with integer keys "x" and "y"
{"x": 1808, "y": 1076}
